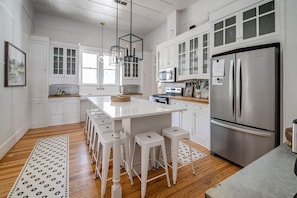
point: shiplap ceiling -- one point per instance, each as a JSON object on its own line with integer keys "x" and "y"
{"x": 147, "y": 14}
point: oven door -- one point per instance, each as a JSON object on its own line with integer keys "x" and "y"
{"x": 163, "y": 100}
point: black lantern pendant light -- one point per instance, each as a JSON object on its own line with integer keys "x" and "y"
{"x": 133, "y": 44}
{"x": 116, "y": 53}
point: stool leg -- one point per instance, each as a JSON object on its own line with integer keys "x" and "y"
{"x": 105, "y": 161}
{"x": 145, "y": 152}
{"x": 128, "y": 161}
{"x": 165, "y": 162}
{"x": 174, "y": 158}
{"x": 98, "y": 162}
{"x": 94, "y": 150}
{"x": 191, "y": 156}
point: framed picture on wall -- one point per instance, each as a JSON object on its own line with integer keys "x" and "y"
{"x": 188, "y": 90}
{"x": 15, "y": 66}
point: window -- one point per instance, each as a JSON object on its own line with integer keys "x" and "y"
{"x": 95, "y": 72}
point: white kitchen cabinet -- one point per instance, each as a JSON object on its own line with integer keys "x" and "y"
{"x": 193, "y": 57}
{"x": 38, "y": 58}
{"x": 166, "y": 55}
{"x": 64, "y": 63}
{"x": 64, "y": 110}
{"x": 250, "y": 21}
{"x": 131, "y": 71}
{"x": 195, "y": 119}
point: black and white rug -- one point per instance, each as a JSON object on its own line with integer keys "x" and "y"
{"x": 184, "y": 154}
{"x": 46, "y": 172}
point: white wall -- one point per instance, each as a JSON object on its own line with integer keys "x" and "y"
{"x": 290, "y": 64}
{"x": 16, "y": 24}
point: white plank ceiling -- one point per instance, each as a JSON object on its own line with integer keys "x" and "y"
{"x": 147, "y": 14}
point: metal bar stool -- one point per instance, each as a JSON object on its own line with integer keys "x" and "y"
{"x": 96, "y": 120}
{"x": 89, "y": 113}
{"x": 147, "y": 141}
{"x": 105, "y": 142}
{"x": 99, "y": 129}
{"x": 175, "y": 134}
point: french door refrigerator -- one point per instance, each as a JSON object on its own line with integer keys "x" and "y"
{"x": 245, "y": 103}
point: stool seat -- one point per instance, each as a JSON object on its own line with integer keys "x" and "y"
{"x": 175, "y": 134}
{"x": 147, "y": 141}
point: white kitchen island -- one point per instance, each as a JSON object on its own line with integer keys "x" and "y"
{"x": 135, "y": 116}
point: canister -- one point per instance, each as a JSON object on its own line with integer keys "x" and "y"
{"x": 294, "y": 136}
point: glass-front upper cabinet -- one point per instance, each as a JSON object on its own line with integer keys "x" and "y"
{"x": 71, "y": 62}
{"x": 259, "y": 20}
{"x": 205, "y": 58}
{"x": 182, "y": 70}
{"x": 130, "y": 69}
{"x": 64, "y": 68}
{"x": 193, "y": 56}
{"x": 225, "y": 31}
{"x": 248, "y": 23}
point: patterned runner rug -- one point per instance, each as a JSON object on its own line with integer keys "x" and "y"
{"x": 184, "y": 154}
{"x": 46, "y": 172}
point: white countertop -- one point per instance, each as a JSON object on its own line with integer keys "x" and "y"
{"x": 135, "y": 108}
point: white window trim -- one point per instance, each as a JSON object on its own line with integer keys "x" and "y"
{"x": 100, "y": 70}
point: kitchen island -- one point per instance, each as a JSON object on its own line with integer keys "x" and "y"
{"x": 135, "y": 116}
{"x": 270, "y": 176}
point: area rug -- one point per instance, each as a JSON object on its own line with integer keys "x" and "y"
{"x": 184, "y": 154}
{"x": 46, "y": 172}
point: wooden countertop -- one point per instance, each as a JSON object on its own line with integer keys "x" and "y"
{"x": 190, "y": 99}
{"x": 63, "y": 96}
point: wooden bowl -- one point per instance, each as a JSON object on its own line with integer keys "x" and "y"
{"x": 120, "y": 98}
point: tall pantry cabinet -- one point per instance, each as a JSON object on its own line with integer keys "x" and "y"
{"x": 38, "y": 80}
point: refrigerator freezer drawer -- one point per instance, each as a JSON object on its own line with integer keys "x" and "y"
{"x": 239, "y": 145}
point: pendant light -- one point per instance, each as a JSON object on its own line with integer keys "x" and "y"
{"x": 116, "y": 53}
{"x": 101, "y": 58}
{"x": 133, "y": 44}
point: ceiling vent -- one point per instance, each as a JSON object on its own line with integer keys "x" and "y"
{"x": 121, "y": 2}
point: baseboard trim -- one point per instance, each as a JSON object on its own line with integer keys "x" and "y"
{"x": 8, "y": 144}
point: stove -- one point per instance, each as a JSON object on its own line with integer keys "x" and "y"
{"x": 164, "y": 98}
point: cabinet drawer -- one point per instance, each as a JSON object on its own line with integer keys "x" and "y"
{"x": 55, "y": 108}
{"x": 201, "y": 109}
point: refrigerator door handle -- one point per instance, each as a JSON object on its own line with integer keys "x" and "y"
{"x": 243, "y": 130}
{"x": 239, "y": 87}
{"x": 231, "y": 86}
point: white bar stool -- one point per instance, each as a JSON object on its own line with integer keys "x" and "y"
{"x": 96, "y": 120}
{"x": 90, "y": 124}
{"x": 106, "y": 143}
{"x": 99, "y": 129}
{"x": 175, "y": 134}
{"x": 147, "y": 141}
{"x": 89, "y": 113}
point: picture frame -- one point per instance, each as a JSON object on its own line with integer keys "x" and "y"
{"x": 188, "y": 90}
{"x": 15, "y": 66}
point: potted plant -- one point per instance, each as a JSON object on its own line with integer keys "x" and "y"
{"x": 196, "y": 83}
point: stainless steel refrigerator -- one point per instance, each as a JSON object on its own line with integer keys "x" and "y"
{"x": 245, "y": 103}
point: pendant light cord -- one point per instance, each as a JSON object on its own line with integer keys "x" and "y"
{"x": 131, "y": 28}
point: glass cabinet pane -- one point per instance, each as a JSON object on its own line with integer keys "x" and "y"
{"x": 266, "y": 7}
{"x": 249, "y": 14}
{"x": 218, "y": 38}
{"x": 250, "y": 29}
{"x": 267, "y": 24}
{"x": 230, "y": 21}
{"x": 230, "y": 35}
{"x": 218, "y": 25}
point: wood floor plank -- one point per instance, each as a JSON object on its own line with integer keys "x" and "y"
{"x": 209, "y": 171}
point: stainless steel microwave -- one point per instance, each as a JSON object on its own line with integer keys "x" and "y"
{"x": 167, "y": 75}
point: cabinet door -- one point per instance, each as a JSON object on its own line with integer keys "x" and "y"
{"x": 201, "y": 132}
{"x": 58, "y": 61}
{"x": 182, "y": 69}
{"x": 71, "y": 62}
{"x": 205, "y": 54}
{"x": 225, "y": 31}
{"x": 193, "y": 56}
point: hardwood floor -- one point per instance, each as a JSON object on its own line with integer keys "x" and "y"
{"x": 209, "y": 170}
